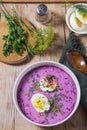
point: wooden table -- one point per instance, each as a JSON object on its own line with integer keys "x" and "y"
{"x": 50, "y": 1}
{"x": 10, "y": 119}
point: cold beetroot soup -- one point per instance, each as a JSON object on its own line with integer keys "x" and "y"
{"x": 58, "y": 103}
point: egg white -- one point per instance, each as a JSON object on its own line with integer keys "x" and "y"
{"x": 74, "y": 24}
{"x": 79, "y": 16}
{"x": 44, "y": 84}
{"x": 42, "y": 97}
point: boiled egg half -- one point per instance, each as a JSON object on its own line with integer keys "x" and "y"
{"x": 81, "y": 16}
{"x": 48, "y": 83}
{"x": 40, "y": 102}
{"x": 75, "y": 23}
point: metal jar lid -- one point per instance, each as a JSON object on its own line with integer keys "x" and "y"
{"x": 42, "y": 9}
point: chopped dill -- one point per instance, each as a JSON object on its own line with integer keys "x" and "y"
{"x": 81, "y": 8}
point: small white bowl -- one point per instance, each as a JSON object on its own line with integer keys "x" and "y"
{"x": 44, "y": 63}
{"x": 68, "y": 14}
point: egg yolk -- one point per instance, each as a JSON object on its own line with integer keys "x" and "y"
{"x": 39, "y": 103}
{"x": 84, "y": 16}
{"x": 78, "y": 22}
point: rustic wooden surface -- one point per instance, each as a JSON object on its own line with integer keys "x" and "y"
{"x": 10, "y": 119}
{"x": 50, "y": 1}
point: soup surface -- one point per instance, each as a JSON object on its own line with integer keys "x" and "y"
{"x": 62, "y": 99}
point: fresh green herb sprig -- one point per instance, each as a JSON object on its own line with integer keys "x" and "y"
{"x": 17, "y": 38}
{"x": 81, "y": 8}
{"x": 44, "y": 38}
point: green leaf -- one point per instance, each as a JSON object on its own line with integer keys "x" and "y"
{"x": 18, "y": 33}
{"x": 81, "y": 8}
{"x": 44, "y": 38}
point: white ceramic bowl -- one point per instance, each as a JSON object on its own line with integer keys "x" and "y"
{"x": 38, "y": 64}
{"x": 68, "y": 13}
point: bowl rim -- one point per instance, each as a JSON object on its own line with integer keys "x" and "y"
{"x": 38, "y": 64}
{"x": 68, "y": 12}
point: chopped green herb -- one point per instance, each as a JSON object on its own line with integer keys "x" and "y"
{"x": 51, "y": 101}
{"x": 50, "y": 78}
{"x": 46, "y": 111}
{"x": 81, "y": 8}
{"x": 56, "y": 108}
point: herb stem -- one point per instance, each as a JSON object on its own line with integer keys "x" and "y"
{"x": 17, "y": 38}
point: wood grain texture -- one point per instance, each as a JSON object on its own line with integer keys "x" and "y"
{"x": 14, "y": 58}
{"x": 10, "y": 119}
{"x": 44, "y": 1}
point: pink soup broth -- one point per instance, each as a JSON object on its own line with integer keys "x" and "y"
{"x": 62, "y": 99}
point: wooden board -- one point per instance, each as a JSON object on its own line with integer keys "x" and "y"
{"x": 13, "y": 58}
{"x": 44, "y": 1}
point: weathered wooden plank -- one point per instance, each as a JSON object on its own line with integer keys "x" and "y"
{"x": 44, "y": 1}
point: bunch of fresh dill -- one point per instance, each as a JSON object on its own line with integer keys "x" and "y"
{"x": 17, "y": 38}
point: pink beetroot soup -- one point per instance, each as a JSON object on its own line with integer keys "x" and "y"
{"x": 62, "y": 99}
